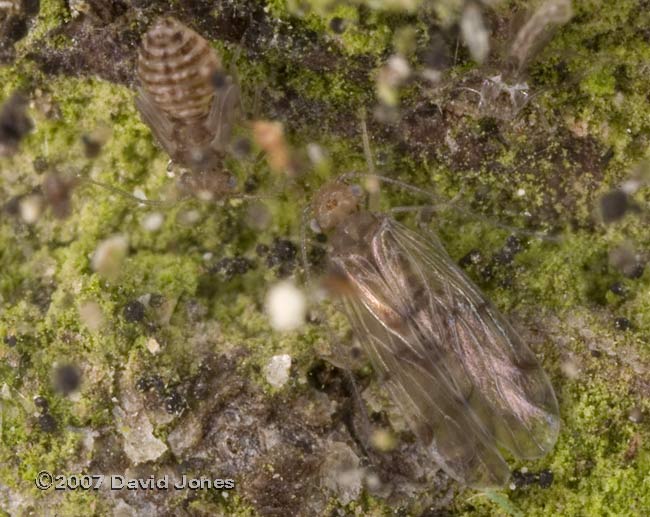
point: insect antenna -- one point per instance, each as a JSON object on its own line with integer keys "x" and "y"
{"x": 128, "y": 195}
{"x": 440, "y": 205}
{"x": 171, "y": 203}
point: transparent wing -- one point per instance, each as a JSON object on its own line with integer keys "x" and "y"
{"x": 462, "y": 377}
{"x": 223, "y": 114}
{"x": 160, "y": 125}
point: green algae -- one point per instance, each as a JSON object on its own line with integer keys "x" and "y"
{"x": 595, "y": 474}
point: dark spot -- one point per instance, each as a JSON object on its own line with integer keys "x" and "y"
{"x": 473, "y": 257}
{"x": 622, "y": 324}
{"x": 618, "y": 288}
{"x": 595, "y": 353}
{"x": 31, "y": 7}
{"x": 507, "y": 254}
{"x": 251, "y": 184}
{"x": 14, "y": 123}
{"x": 489, "y": 126}
{"x": 47, "y": 423}
{"x": 316, "y": 256}
{"x": 11, "y": 340}
{"x": 523, "y": 479}
{"x": 174, "y": 403}
{"x": 230, "y": 267}
{"x": 282, "y": 252}
{"x": 337, "y": 25}
{"x": 67, "y": 378}
{"x": 242, "y": 147}
{"x": 219, "y": 79}
{"x": 41, "y": 403}
{"x": 134, "y": 311}
{"x": 545, "y": 478}
{"x": 324, "y": 377}
{"x": 614, "y": 205}
{"x": 149, "y": 383}
{"x": 261, "y": 250}
{"x": 92, "y": 147}
{"x": 40, "y": 164}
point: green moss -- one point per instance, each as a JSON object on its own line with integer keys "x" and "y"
{"x": 47, "y": 275}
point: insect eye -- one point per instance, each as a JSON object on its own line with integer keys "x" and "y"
{"x": 332, "y": 203}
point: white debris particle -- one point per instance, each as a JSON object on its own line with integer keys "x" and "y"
{"x": 277, "y": 370}
{"x": 340, "y": 472}
{"x": 139, "y": 193}
{"x": 152, "y": 345}
{"x": 390, "y": 77}
{"x": 91, "y": 315}
{"x": 31, "y": 208}
{"x": 521, "y": 192}
{"x": 153, "y": 222}
{"x": 109, "y": 255}
{"x": 189, "y": 217}
{"x": 316, "y": 154}
{"x": 475, "y": 34}
{"x": 286, "y": 306}
{"x": 570, "y": 368}
{"x": 140, "y": 444}
{"x": 383, "y": 440}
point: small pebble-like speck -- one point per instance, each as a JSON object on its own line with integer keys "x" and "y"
{"x": 174, "y": 403}
{"x": 622, "y": 324}
{"x": 150, "y": 382}
{"x": 41, "y": 404}
{"x": 618, "y": 288}
{"x": 282, "y": 251}
{"x": 230, "y": 267}
{"x": 133, "y": 311}
{"x": 10, "y": 340}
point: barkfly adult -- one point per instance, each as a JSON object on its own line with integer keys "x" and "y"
{"x": 464, "y": 380}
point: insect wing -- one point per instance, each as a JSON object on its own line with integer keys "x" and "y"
{"x": 224, "y": 113}
{"x": 462, "y": 377}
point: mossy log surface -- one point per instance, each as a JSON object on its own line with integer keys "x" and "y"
{"x": 161, "y": 367}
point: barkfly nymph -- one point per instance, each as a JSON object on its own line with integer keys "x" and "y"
{"x": 465, "y": 382}
{"x": 187, "y": 99}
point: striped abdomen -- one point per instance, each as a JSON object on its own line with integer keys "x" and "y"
{"x": 176, "y": 67}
